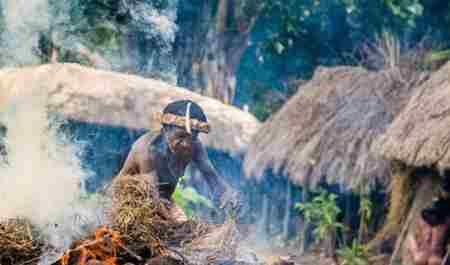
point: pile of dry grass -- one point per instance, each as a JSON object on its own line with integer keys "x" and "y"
{"x": 136, "y": 215}
{"x": 216, "y": 247}
{"x": 143, "y": 219}
{"x": 20, "y": 242}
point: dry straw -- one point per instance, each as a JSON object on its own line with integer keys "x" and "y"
{"x": 143, "y": 219}
{"x": 20, "y": 242}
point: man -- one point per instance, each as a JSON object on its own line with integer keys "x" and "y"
{"x": 428, "y": 245}
{"x": 164, "y": 155}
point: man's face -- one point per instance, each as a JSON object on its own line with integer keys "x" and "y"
{"x": 437, "y": 212}
{"x": 179, "y": 140}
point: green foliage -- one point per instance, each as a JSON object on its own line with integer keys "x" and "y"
{"x": 93, "y": 197}
{"x": 365, "y": 209}
{"x": 366, "y": 214}
{"x": 187, "y": 198}
{"x": 435, "y": 59}
{"x": 356, "y": 254}
{"x": 293, "y": 37}
{"x": 405, "y": 9}
{"x": 323, "y": 212}
{"x": 105, "y": 35}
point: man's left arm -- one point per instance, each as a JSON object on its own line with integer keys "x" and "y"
{"x": 220, "y": 189}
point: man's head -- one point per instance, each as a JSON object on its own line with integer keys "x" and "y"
{"x": 182, "y": 121}
{"x": 438, "y": 212}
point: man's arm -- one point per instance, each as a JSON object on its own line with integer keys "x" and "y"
{"x": 212, "y": 178}
{"x": 130, "y": 167}
{"x": 139, "y": 160}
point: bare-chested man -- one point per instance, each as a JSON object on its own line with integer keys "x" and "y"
{"x": 428, "y": 245}
{"x": 164, "y": 155}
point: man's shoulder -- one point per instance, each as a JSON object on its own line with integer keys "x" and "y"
{"x": 145, "y": 140}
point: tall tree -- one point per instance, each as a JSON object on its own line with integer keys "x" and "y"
{"x": 212, "y": 39}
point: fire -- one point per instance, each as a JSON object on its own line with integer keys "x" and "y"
{"x": 103, "y": 248}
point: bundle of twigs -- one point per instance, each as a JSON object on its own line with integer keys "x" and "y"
{"x": 20, "y": 242}
{"x": 147, "y": 228}
{"x": 137, "y": 214}
{"x": 215, "y": 247}
{"x": 143, "y": 219}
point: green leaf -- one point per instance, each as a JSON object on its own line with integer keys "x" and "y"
{"x": 279, "y": 47}
{"x": 416, "y": 9}
{"x": 186, "y": 197}
{"x": 290, "y": 27}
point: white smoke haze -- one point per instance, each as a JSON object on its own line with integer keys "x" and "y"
{"x": 153, "y": 21}
{"x": 156, "y": 24}
{"x": 41, "y": 179}
{"x": 25, "y": 20}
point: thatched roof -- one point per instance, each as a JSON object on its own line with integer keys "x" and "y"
{"x": 324, "y": 132}
{"x": 420, "y": 136}
{"x": 115, "y": 99}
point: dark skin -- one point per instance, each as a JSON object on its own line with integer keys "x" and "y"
{"x": 427, "y": 247}
{"x": 165, "y": 157}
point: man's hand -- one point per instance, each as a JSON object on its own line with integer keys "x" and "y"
{"x": 231, "y": 202}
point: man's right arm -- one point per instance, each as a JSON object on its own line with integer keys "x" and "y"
{"x": 140, "y": 159}
{"x": 130, "y": 167}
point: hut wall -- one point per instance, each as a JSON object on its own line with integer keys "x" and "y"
{"x": 279, "y": 216}
{"x": 105, "y": 149}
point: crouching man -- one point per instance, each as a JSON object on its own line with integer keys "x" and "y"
{"x": 429, "y": 245}
{"x": 164, "y": 156}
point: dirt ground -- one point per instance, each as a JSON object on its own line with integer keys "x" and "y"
{"x": 272, "y": 255}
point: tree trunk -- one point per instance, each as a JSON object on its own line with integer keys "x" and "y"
{"x": 330, "y": 245}
{"x": 210, "y": 44}
{"x": 287, "y": 213}
{"x": 347, "y": 235}
{"x": 263, "y": 225}
{"x": 427, "y": 188}
{"x": 306, "y": 227}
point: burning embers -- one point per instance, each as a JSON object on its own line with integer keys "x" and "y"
{"x": 103, "y": 249}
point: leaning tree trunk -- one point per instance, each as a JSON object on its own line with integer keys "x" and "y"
{"x": 212, "y": 38}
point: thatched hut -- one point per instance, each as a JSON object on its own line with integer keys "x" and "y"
{"x": 323, "y": 134}
{"x": 417, "y": 144}
{"x": 109, "y": 110}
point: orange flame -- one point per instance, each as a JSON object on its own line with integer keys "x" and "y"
{"x": 103, "y": 248}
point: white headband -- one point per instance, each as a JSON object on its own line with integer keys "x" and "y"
{"x": 188, "y": 118}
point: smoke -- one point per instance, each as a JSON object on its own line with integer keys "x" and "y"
{"x": 158, "y": 28}
{"x": 154, "y": 22}
{"x": 23, "y": 21}
{"x": 142, "y": 45}
{"x": 41, "y": 178}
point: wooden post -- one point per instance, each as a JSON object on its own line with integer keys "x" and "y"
{"x": 287, "y": 213}
{"x": 304, "y": 231}
{"x": 262, "y": 224}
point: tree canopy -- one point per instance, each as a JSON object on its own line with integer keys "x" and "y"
{"x": 269, "y": 44}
